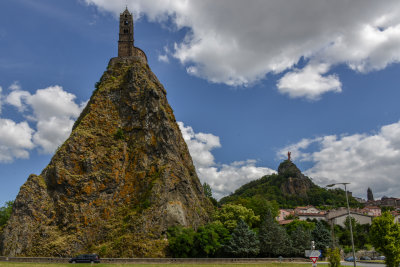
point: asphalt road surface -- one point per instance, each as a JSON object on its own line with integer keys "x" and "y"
{"x": 359, "y": 264}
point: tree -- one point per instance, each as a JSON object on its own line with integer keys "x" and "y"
{"x": 210, "y": 238}
{"x": 181, "y": 241}
{"x": 344, "y": 232}
{"x": 5, "y": 213}
{"x": 385, "y": 237}
{"x": 290, "y": 227}
{"x": 230, "y": 214}
{"x": 321, "y": 236}
{"x": 274, "y": 241}
{"x": 261, "y": 206}
{"x": 360, "y": 234}
{"x": 244, "y": 242}
{"x": 208, "y": 193}
{"x": 333, "y": 257}
{"x": 207, "y": 190}
{"x": 301, "y": 240}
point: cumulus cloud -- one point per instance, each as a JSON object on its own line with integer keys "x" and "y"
{"x": 225, "y": 178}
{"x": 53, "y": 101}
{"x": 297, "y": 150}
{"x": 1, "y": 97}
{"x": 53, "y": 112}
{"x": 309, "y": 82}
{"x": 163, "y": 58}
{"x": 15, "y": 86}
{"x": 52, "y": 132}
{"x": 15, "y": 141}
{"x": 200, "y": 145}
{"x": 364, "y": 160}
{"x": 238, "y": 42}
{"x": 17, "y": 98}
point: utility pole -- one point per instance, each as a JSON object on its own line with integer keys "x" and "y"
{"x": 351, "y": 227}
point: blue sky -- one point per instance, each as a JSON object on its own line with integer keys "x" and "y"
{"x": 247, "y": 80}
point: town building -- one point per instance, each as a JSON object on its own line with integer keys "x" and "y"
{"x": 283, "y": 214}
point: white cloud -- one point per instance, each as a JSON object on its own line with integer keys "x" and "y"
{"x": 15, "y": 141}
{"x": 238, "y": 42}
{"x": 52, "y": 132}
{"x": 17, "y": 98}
{"x": 364, "y": 160}
{"x": 52, "y": 110}
{"x": 53, "y": 101}
{"x": 1, "y": 98}
{"x": 227, "y": 178}
{"x": 372, "y": 48}
{"x": 296, "y": 149}
{"x": 200, "y": 145}
{"x": 163, "y": 58}
{"x": 224, "y": 178}
{"x": 55, "y": 111}
{"x": 309, "y": 82}
{"x": 15, "y": 86}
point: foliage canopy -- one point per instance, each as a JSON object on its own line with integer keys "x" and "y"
{"x": 230, "y": 214}
{"x": 5, "y": 213}
{"x": 385, "y": 236}
{"x": 244, "y": 242}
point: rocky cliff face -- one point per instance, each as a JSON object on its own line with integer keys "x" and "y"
{"x": 295, "y": 183}
{"x": 120, "y": 180}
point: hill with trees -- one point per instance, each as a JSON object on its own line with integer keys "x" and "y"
{"x": 288, "y": 188}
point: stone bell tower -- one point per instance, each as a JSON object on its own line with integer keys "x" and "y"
{"x": 125, "y": 42}
{"x": 126, "y": 48}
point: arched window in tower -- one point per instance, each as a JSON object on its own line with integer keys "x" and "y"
{"x": 126, "y": 22}
{"x": 126, "y": 31}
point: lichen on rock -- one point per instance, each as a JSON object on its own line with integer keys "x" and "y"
{"x": 117, "y": 183}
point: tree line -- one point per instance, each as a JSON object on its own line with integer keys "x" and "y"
{"x": 237, "y": 231}
{"x": 247, "y": 228}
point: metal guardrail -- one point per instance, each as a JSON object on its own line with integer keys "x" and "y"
{"x": 157, "y": 260}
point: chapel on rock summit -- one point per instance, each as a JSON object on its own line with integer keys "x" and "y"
{"x": 122, "y": 178}
{"x": 126, "y": 47}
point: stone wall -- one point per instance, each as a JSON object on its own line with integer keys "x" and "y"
{"x": 135, "y": 53}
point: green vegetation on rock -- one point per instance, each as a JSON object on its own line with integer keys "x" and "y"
{"x": 122, "y": 178}
{"x": 5, "y": 213}
{"x": 289, "y": 188}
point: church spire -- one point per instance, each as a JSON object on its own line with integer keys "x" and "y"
{"x": 126, "y": 40}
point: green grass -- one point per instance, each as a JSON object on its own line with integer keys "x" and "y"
{"x": 15, "y": 264}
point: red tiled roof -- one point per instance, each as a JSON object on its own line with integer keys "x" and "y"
{"x": 285, "y": 222}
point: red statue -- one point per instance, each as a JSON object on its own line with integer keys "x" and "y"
{"x": 288, "y": 155}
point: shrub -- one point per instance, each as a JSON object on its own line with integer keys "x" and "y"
{"x": 119, "y": 134}
{"x": 97, "y": 85}
{"x": 333, "y": 257}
